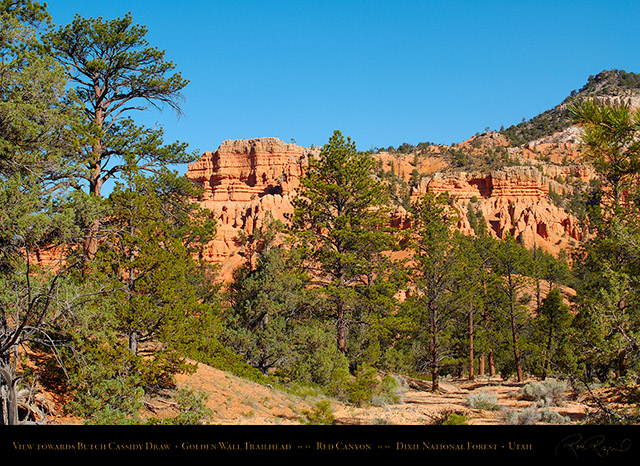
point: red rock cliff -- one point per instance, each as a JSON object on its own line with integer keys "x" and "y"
{"x": 243, "y": 180}
{"x": 514, "y": 201}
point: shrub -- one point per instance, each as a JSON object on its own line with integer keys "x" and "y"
{"x": 526, "y": 417}
{"x": 449, "y": 417}
{"x": 360, "y": 390}
{"x": 109, "y": 401}
{"x": 320, "y": 414}
{"x": 365, "y": 388}
{"x": 532, "y": 415}
{"x": 389, "y": 391}
{"x": 315, "y": 359}
{"x": 550, "y": 392}
{"x": 456, "y": 419}
{"x": 485, "y": 399}
{"x": 553, "y": 417}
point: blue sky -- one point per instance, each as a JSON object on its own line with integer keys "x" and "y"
{"x": 382, "y": 72}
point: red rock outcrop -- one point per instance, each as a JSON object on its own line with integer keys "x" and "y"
{"x": 514, "y": 201}
{"x": 242, "y": 181}
{"x": 245, "y": 179}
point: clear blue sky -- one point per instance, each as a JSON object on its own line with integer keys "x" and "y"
{"x": 382, "y": 72}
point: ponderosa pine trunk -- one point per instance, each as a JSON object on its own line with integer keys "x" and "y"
{"x": 341, "y": 324}
{"x": 433, "y": 351}
{"x": 516, "y": 353}
{"x": 492, "y": 364}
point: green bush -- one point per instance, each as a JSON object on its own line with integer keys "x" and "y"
{"x": 320, "y": 414}
{"x": 315, "y": 359}
{"x": 456, "y": 419}
{"x": 108, "y": 401}
{"x": 449, "y": 417}
{"x": 393, "y": 389}
{"x": 362, "y": 387}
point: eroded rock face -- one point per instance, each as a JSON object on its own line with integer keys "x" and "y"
{"x": 246, "y": 179}
{"x": 514, "y": 201}
{"x": 242, "y": 181}
{"x": 241, "y": 170}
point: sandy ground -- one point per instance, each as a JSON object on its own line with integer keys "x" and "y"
{"x": 239, "y": 402}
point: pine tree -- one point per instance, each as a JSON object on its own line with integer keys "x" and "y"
{"x": 150, "y": 300}
{"x": 148, "y": 259}
{"x": 341, "y": 223}
{"x": 434, "y": 273}
{"x": 114, "y": 72}
{"x": 607, "y": 264}
{"x": 553, "y": 324}
{"x": 612, "y": 147}
{"x": 512, "y": 262}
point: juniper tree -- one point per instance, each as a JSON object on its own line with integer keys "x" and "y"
{"x": 267, "y": 299}
{"x": 38, "y": 212}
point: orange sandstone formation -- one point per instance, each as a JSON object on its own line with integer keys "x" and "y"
{"x": 514, "y": 201}
{"x": 242, "y": 181}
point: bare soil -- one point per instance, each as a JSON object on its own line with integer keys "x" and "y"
{"x": 234, "y": 401}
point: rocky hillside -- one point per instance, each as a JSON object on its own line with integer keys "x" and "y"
{"x": 242, "y": 181}
{"x": 554, "y": 124}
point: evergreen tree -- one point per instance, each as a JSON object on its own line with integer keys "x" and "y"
{"x": 342, "y": 226}
{"x": 267, "y": 300}
{"x": 607, "y": 264}
{"x": 151, "y": 298}
{"x": 513, "y": 263}
{"x": 114, "y": 72}
{"x": 473, "y": 300}
{"x": 435, "y": 271}
{"x": 147, "y": 256}
{"x": 553, "y": 323}
{"x": 612, "y": 147}
{"x": 27, "y": 12}
{"x": 38, "y": 212}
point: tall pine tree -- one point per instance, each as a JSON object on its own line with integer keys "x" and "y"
{"x": 341, "y": 223}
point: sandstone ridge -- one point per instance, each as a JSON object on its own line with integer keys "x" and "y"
{"x": 244, "y": 179}
{"x": 514, "y": 201}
